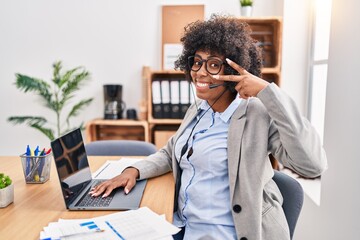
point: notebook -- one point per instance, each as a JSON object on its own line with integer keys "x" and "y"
{"x": 76, "y": 180}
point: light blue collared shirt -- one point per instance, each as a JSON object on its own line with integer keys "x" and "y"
{"x": 204, "y": 199}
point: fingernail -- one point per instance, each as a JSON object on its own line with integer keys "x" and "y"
{"x": 105, "y": 195}
{"x": 216, "y": 76}
{"x": 228, "y": 60}
{"x": 126, "y": 191}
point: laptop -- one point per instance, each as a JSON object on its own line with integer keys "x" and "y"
{"x": 76, "y": 180}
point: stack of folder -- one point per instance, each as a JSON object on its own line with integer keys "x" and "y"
{"x": 171, "y": 97}
{"x": 130, "y": 225}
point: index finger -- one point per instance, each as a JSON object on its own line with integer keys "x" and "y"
{"x": 235, "y": 66}
{"x": 228, "y": 78}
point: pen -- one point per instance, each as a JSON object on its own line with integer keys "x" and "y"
{"x": 41, "y": 166}
{"x": 37, "y": 163}
{"x": 32, "y": 160}
{"x": 32, "y": 167}
{"x": 48, "y": 151}
{"x": 28, "y": 153}
{"x": 36, "y": 151}
{"x": 97, "y": 230}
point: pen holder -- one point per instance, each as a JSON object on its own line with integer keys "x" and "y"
{"x": 36, "y": 169}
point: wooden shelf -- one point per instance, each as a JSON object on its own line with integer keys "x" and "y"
{"x": 103, "y": 129}
{"x": 165, "y": 121}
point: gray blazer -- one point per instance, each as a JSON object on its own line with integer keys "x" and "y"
{"x": 269, "y": 123}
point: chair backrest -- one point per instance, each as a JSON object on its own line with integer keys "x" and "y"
{"x": 293, "y": 195}
{"x": 120, "y": 148}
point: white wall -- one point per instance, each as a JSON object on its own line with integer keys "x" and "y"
{"x": 296, "y": 50}
{"x": 338, "y": 215}
{"x": 110, "y": 38}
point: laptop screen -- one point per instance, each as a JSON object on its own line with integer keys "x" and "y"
{"x": 71, "y": 164}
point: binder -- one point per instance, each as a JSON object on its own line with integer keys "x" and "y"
{"x": 156, "y": 98}
{"x": 184, "y": 97}
{"x": 193, "y": 96}
{"x": 175, "y": 98}
{"x": 165, "y": 100}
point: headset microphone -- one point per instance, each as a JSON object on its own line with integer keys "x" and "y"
{"x": 211, "y": 86}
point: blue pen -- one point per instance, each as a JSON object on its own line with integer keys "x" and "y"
{"x": 36, "y": 151}
{"x": 28, "y": 153}
{"x": 42, "y": 160}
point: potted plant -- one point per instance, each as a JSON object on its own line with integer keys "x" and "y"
{"x": 6, "y": 190}
{"x": 246, "y": 7}
{"x": 56, "y": 97}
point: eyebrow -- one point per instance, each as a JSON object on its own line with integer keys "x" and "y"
{"x": 211, "y": 56}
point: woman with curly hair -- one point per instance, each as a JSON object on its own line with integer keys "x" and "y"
{"x": 219, "y": 155}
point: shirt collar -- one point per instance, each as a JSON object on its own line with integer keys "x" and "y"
{"x": 229, "y": 111}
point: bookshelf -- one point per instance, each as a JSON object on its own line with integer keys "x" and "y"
{"x": 163, "y": 126}
{"x": 268, "y": 32}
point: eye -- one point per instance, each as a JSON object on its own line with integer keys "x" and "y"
{"x": 214, "y": 64}
{"x": 197, "y": 62}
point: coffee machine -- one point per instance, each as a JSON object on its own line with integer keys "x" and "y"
{"x": 113, "y": 103}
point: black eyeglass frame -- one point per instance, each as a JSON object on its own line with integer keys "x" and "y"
{"x": 191, "y": 63}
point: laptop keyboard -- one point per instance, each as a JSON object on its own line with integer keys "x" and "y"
{"x": 89, "y": 201}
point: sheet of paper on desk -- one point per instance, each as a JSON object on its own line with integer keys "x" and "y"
{"x": 112, "y": 168}
{"x": 77, "y": 230}
{"x": 136, "y": 224}
{"x": 130, "y": 225}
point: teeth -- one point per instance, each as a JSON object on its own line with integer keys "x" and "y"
{"x": 202, "y": 84}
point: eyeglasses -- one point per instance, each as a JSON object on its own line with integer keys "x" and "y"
{"x": 213, "y": 64}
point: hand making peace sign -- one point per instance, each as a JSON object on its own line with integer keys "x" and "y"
{"x": 248, "y": 85}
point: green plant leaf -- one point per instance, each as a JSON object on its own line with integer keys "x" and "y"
{"x": 56, "y": 72}
{"x": 4, "y": 181}
{"x": 67, "y": 76}
{"x": 46, "y": 131}
{"x": 246, "y": 3}
{"x": 29, "y": 120}
{"x": 55, "y": 97}
{"x": 73, "y": 83}
{"x": 35, "y": 85}
{"x": 78, "y": 107}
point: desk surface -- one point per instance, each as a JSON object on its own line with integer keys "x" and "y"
{"x": 35, "y": 205}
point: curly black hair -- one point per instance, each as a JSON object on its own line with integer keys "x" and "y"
{"x": 223, "y": 35}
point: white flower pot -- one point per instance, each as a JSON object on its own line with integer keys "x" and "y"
{"x": 246, "y": 11}
{"x": 6, "y": 196}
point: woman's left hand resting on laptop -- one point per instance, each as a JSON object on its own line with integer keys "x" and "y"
{"x": 126, "y": 179}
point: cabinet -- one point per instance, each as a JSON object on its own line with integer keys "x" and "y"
{"x": 163, "y": 126}
{"x": 101, "y": 129}
{"x": 268, "y": 32}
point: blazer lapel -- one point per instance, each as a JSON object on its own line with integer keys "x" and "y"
{"x": 236, "y": 130}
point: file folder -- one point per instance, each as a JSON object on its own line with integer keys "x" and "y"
{"x": 175, "y": 98}
{"x": 156, "y": 99}
{"x": 165, "y": 93}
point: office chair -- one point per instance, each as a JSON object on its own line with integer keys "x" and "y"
{"x": 119, "y": 148}
{"x": 293, "y": 195}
